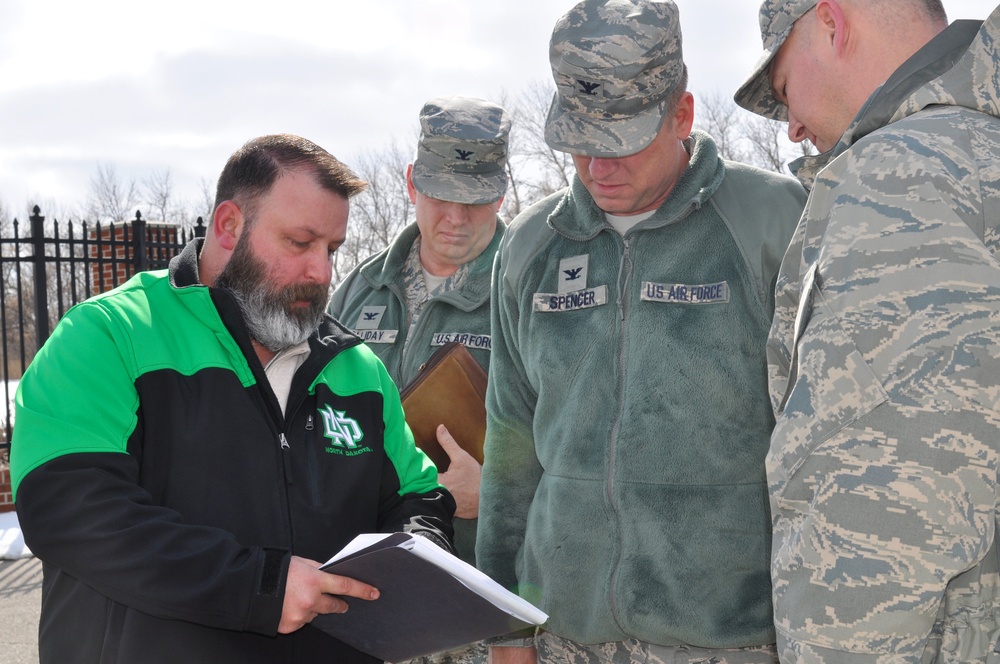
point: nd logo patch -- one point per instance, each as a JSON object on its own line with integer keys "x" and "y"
{"x": 342, "y": 431}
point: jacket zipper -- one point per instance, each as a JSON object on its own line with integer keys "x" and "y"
{"x": 624, "y": 278}
{"x": 417, "y": 330}
{"x": 285, "y": 461}
{"x": 404, "y": 325}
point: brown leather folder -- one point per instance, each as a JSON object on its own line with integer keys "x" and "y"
{"x": 450, "y": 389}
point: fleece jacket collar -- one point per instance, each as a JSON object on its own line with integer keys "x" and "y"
{"x": 578, "y": 217}
{"x": 183, "y": 267}
{"x": 474, "y": 291}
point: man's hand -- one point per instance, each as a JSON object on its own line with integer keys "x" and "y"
{"x": 512, "y": 655}
{"x": 462, "y": 477}
{"x": 310, "y": 592}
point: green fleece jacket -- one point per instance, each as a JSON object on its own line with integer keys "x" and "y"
{"x": 628, "y": 417}
{"x": 371, "y": 301}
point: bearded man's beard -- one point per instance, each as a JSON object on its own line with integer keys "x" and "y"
{"x": 270, "y": 316}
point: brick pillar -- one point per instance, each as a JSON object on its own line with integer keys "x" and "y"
{"x": 6, "y": 499}
{"x": 105, "y": 274}
{"x": 116, "y": 263}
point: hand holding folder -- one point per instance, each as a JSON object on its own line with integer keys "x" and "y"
{"x": 429, "y": 600}
{"x": 450, "y": 389}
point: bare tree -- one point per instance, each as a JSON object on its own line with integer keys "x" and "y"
{"x": 743, "y": 136}
{"x": 112, "y": 198}
{"x": 158, "y": 194}
{"x": 379, "y": 212}
{"x": 717, "y": 116}
{"x": 535, "y": 170}
{"x": 16, "y": 285}
{"x": 205, "y": 205}
{"x": 52, "y": 208}
{"x": 769, "y": 144}
{"x": 11, "y": 338}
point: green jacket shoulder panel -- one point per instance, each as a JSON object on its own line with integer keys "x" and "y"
{"x": 151, "y": 316}
{"x": 139, "y": 327}
{"x": 761, "y": 209}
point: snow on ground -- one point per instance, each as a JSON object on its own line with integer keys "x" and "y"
{"x": 12, "y": 544}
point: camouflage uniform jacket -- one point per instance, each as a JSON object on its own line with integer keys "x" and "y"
{"x": 885, "y": 376}
{"x": 375, "y": 290}
{"x": 624, "y": 489}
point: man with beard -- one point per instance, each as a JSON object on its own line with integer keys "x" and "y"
{"x": 191, "y": 443}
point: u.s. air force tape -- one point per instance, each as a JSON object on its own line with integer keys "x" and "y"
{"x": 686, "y": 293}
{"x": 581, "y": 299}
{"x": 480, "y": 341}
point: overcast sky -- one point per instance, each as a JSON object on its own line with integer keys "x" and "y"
{"x": 180, "y": 85}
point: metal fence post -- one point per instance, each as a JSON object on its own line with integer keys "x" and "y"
{"x": 41, "y": 285}
{"x": 140, "y": 259}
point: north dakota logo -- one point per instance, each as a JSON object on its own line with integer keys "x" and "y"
{"x": 342, "y": 431}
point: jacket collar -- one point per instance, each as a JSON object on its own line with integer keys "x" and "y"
{"x": 577, "y": 216}
{"x": 331, "y": 338}
{"x": 183, "y": 268}
{"x": 474, "y": 291}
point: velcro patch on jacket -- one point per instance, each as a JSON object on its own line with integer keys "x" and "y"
{"x": 581, "y": 299}
{"x": 467, "y": 339}
{"x": 378, "y": 336}
{"x": 573, "y": 273}
{"x": 686, "y": 293}
{"x": 370, "y": 317}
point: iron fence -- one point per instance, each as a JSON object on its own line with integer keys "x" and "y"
{"x": 57, "y": 265}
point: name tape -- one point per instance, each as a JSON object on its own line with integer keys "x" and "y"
{"x": 377, "y": 336}
{"x": 572, "y": 301}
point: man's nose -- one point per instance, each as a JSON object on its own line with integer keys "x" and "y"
{"x": 456, "y": 213}
{"x": 796, "y": 130}
{"x": 602, "y": 167}
{"x": 319, "y": 268}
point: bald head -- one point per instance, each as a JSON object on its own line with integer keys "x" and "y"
{"x": 842, "y": 50}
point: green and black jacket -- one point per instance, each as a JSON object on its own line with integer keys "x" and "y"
{"x": 158, "y": 481}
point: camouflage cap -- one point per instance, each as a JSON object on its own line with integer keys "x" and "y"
{"x": 776, "y": 20}
{"x": 615, "y": 64}
{"x": 462, "y": 151}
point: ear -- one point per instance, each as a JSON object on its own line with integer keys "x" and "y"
{"x": 227, "y": 223}
{"x": 684, "y": 116}
{"x": 832, "y": 25}
{"x": 410, "y": 189}
{"x": 496, "y": 206}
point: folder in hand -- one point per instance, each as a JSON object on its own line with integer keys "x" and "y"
{"x": 450, "y": 389}
{"x": 429, "y": 601}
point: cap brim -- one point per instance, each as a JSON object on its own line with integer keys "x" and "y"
{"x": 465, "y": 188}
{"x": 605, "y": 137}
{"x": 756, "y": 94}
